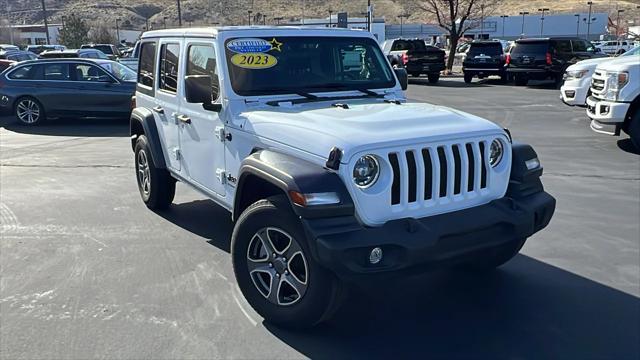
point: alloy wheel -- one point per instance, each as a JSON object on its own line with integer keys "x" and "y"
{"x": 277, "y": 266}
{"x": 144, "y": 176}
{"x": 28, "y": 111}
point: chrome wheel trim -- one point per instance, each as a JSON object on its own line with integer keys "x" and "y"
{"x": 279, "y": 272}
{"x": 28, "y": 111}
{"x": 144, "y": 175}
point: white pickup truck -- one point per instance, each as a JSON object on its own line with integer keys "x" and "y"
{"x": 616, "y": 47}
{"x": 131, "y": 61}
{"x": 614, "y": 103}
{"x": 577, "y": 79}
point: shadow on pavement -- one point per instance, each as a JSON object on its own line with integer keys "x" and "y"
{"x": 627, "y": 145}
{"x": 444, "y": 82}
{"x": 543, "y": 85}
{"x": 203, "y": 218}
{"x": 70, "y": 127}
{"x": 525, "y": 310}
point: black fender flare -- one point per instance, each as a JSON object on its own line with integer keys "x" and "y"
{"x": 523, "y": 181}
{"x": 142, "y": 118}
{"x": 289, "y": 173}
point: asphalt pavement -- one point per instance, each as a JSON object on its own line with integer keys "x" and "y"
{"x": 87, "y": 271}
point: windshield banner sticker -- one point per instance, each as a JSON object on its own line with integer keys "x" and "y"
{"x": 253, "y": 45}
{"x": 254, "y": 60}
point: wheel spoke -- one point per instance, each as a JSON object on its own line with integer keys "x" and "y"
{"x": 282, "y": 233}
{"x": 274, "y": 289}
{"x": 259, "y": 266}
{"x": 292, "y": 249}
{"x": 296, "y": 285}
{"x": 266, "y": 242}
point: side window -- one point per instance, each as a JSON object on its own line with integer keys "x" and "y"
{"x": 147, "y": 64}
{"x": 58, "y": 72}
{"x": 563, "y": 46}
{"x": 24, "y": 73}
{"x": 579, "y": 45}
{"x": 201, "y": 60}
{"x": 86, "y": 72}
{"x": 400, "y": 45}
{"x": 169, "y": 65}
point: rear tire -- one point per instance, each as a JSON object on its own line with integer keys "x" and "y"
{"x": 415, "y": 74}
{"x": 468, "y": 78}
{"x": 433, "y": 78}
{"x": 29, "y": 111}
{"x": 275, "y": 270}
{"x": 157, "y": 187}
{"x": 521, "y": 80}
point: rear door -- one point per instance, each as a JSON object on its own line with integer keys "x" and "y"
{"x": 57, "y": 90}
{"x": 146, "y": 96}
{"x": 167, "y": 101}
{"x": 529, "y": 54}
{"x": 202, "y": 131}
{"x": 99, "y": 94}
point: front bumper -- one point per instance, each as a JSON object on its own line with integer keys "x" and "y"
{"x": 606, "y": 116}
{"x": 343, "y": 245}
{"x": 574, "y": 92}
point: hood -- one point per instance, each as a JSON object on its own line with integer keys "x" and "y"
{"x": 588, "y": 64}
{"x": 365, "y": 125}
{"x": 621, "y": 63}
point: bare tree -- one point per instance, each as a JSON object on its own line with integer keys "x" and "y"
{"x": 456, "y": 17}
{"x": 101, "y": 33}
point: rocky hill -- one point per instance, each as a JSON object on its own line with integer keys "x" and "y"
{"x": 134, "y": 14}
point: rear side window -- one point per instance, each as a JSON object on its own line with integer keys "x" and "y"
{"x": 563, "y": 46}
{"x": 530, "y": 48}
{"x": 202, "y": 61}
{"x": 147, "y": 64}
{"x": 579, "y": 45}
{"x": 169, "y": 65}
{"x": 23, "y": 73}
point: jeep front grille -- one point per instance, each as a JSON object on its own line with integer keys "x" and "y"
{"x": 438, "y": 172}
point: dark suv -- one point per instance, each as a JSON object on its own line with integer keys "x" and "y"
{"x": 418, "y": 58}
{"x": 546, "y": 58}
{"x": 484, "y": 58}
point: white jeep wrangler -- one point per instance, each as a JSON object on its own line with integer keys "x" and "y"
{"x": 331, "y": 177}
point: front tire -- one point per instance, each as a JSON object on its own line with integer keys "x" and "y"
{"x": 157, "y": 187}
{"x": 275, "y": 270}
{"x": 29, "y": 111}
{"x": 433, "y": 78}
{"x": 521, "y": 80}
{"x": 633, "y": 129}
{"x": 468, "y": 78}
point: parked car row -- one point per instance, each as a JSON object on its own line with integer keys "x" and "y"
{"x": 416, "y": 57}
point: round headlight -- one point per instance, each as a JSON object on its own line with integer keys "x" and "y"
{"x": 495, "y": 152}
{"x": 366, "y": 171}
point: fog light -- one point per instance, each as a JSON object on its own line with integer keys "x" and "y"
{"x": 604, "y": 109}
{"x": 375, "y": 256}
{"x": 570, "y": 94}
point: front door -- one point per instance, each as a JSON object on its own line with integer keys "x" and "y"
{"x": 200, "y": 130}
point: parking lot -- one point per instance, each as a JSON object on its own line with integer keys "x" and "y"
{"x": 89, "y": 272}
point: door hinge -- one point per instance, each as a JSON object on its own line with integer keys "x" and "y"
{"x": 220, "y": 133}
{"x": 221, "y": 175}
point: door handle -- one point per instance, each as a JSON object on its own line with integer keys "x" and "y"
{"x": 185, "y": 119}
{"x": 158, "y": 109}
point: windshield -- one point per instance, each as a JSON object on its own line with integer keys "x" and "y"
{"x": 104, "y": 48}
{"x": 634, "y": 51}
{"x": 120, "y": 71}
{"x": 288, "y": 65}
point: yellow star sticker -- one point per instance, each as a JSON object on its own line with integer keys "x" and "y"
{"x": 275, "y": 44}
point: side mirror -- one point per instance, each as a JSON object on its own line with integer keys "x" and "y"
{"x": 199, "y": 89}
{"x": 402, "y": 77}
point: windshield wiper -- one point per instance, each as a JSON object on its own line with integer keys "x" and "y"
{"x": 313, "y": 98}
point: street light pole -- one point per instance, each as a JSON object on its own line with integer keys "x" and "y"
{"x": 369, "y": 15}
{"x": 542, "y": 20}
{"x": 503, "y": 19}
{"x": 577, "y": 25}
{"x": 117, "y": 31}
{"x": 179, "y": 15}
{"x": 330, "y": 12}
{"x": 523, "y": 13}
{"x": 481, "y": 21}
{"x": 590, "y": 3}
{"x": 164, "y": 21}
{"x": 249, "y": 11}
{"x": 402, "y": 16}
{"x": 46, "y": 23}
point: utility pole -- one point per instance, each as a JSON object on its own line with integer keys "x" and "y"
{"x": 503, "y": 19}
{"x": 250, "y": 12}
{"x": 590, "y": 3}
{"x": 577, "y": 25}
{"x": 117, "y": 31}
{"x": 179, "y": 14}
{"x": 46, "y": 23}
{"x": 369, "y": 15}
{"x": 164, "y": 21}
{"x": 523, "y": 13}
{"x": 481, "y": 21}
{"x": 330, "y": 12}
{"x": 402, "y": 16}
{"x": 542, "y": 20}
{"x": 304, "y": 4}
